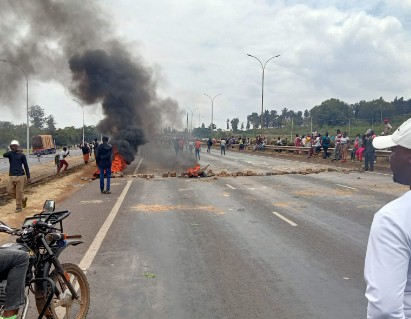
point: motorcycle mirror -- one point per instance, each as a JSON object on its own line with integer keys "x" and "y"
{"x": 49, "y": 206}
{"x": 4, "y": 228}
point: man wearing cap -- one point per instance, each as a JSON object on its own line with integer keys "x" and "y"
{"x": 387, "y": 268}
{"x": 17, "y": 174}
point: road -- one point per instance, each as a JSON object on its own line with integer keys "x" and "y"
{"x": 285, "y": 246}
{"x": 33, "y": 160}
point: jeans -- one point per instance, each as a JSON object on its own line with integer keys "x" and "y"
{"x": 222, "y": 150}
{"x": 13, "y": 267}
{"x": 197, "y": 151}
{"x": 369, "y": 161}
{"x": 108, "y": 174}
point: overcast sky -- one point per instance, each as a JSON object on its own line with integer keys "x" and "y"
{"x": 350, "y": 50}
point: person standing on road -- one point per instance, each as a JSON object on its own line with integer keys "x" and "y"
{"x": 387, "y": 127}
{"x": 85, "y": 149}
{"x": 62, "y": 160}
{"x": 19, "y": 173}
{"x": 95, "y": 146}
{"x": 387, "y": 269}
{"x": 222, "y": 146}
{"x": 209, "y": 144}
{"x": 197, "y": 148}
{"x": 104, "y": 160}
{"x": 369, "y": 152}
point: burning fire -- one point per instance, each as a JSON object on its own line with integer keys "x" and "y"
{"x": 193, "y": 171}
{"x": 118, "y": 165}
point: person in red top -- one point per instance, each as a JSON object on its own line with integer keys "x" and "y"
{"x": 197, "y": 147}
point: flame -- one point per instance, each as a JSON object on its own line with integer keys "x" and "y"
{"x": 193, "y": 171}
{"x": 118, "y": 164}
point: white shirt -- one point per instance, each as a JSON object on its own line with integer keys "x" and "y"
{"x": 223, "y": 142}
{"x": 62, "y": 154}
{"x": 387, "y": 263}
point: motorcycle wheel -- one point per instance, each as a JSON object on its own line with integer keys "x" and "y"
{"x": 65, "y": 306}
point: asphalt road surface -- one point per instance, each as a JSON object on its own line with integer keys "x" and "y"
{"x": 284, "y": 246}
{"x": 33, "y": 160}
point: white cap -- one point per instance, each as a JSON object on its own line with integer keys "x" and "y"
{"x": 14, "y": 142}
{"x": 401, "y": 137}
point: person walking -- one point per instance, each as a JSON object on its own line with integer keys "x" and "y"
{"x": 387, "y": 269}
{"x": 369, "y": 152}
{"x": 197, "y": 148}
{"x": 62, "y": 160}
{"x": 222, "y": 146}
{"x": 85, "y": 149}
{"x": 19, "y": 174}
{"x": 209, "y": 144}
{"x": 104, "y": 158}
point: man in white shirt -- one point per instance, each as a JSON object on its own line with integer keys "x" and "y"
{"x": 222, "y": 146}
{"x": 62, "y": 160}
{"x": 387, "y": 269}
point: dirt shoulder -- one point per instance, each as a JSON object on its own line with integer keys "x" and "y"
{"x": 55, "y": 187}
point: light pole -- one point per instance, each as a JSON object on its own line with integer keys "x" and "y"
{"x": 101, "y": 133}
{"x": 212, "y": 108}
{"x": 27, "y": 102}
{"x": 192, "y": 112}
{"x": 262, "y": 84}
{"x": 82, "y": 106}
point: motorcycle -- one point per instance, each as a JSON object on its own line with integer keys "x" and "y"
{"x": 61, "y": 290}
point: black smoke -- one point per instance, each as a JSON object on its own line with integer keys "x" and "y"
{"x": 50, "y": 38}
{"x": 126, "y": 92}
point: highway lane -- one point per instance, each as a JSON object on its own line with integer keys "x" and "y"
{"x": 285, "y": 246}
{"x": 33, "y": 160}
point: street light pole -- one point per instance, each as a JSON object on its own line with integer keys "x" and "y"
{"x": 101, "y": 133}
{"x": 192, "y": 114}
{"x": 27, "y": 102}
{"x": 82, "y": 106}
{"x": 212, "y": 108}
{"x": 262, "y": 83}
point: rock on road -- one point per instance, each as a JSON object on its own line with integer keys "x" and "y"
{"x": 284, "y": 246}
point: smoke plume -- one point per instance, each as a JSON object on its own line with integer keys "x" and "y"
{"x": 50, "y": 38}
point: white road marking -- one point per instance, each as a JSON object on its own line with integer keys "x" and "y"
{"x": 95, "y": 245}
{"x": 138, "y": 166}
{"x": 285, "y": 219}
{"x": 230, "y": 186}
{"x": 345, "y": 186}
{"x": 383, "y": 174}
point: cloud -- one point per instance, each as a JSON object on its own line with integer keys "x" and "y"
{"x": 341, "y": 49}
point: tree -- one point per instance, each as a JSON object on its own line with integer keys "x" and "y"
{"x": 36, "y": 114}
{"x": 228, "y": 124}
{"x": 242, "y": 126}
{"x": 234, "y": 124}
{"x": 254, "y": 119}
{"x": 51, "y": 124}
{"x": 247, "y": 127}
